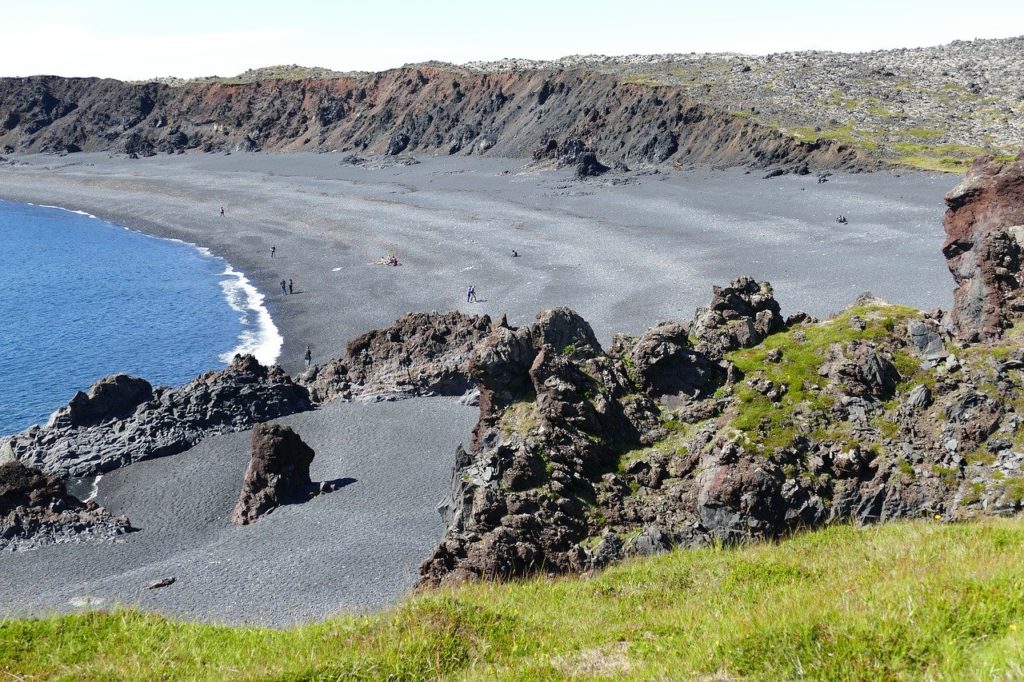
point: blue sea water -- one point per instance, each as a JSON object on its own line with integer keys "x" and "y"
{"x": 81, "y": 298}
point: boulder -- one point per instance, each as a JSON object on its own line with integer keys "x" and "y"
{"x": 113, "y": 397}
{"x": 924, "y": 338}
{"x": 862, "y": 370}
{"x": 398, "y": 144}
{"x": 36, "y": 510}
{"x": 563, "y": 330}
{"x": 589, "y": 167}
{"x": 278, "y": 473}
{"x": 664, "y": 362}
{"x": 421, "y": 354}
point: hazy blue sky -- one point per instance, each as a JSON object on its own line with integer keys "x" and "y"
{"x": 133, "y": 39}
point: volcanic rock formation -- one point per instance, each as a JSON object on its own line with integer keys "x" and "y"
{"x": 36, "y": 510}
{"x": 421, "y": 354}
{"x": 738, "y": 426}
{"x": 984, "y": 233}
{"x": 124, "y": 420}
{"x": 427, "y": 109}
{"x": 278, "y": 473}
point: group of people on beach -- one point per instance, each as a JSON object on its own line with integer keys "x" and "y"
{"x": 288, "y": 287}
{"x": 391, "y": 259}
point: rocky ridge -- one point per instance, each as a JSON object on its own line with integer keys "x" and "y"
{"x": 416, "y": 109}
{"x": 933, "y": 107}
{"x": 124, "y": 419}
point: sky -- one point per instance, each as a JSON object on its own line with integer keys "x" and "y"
{"x": 133, "y": 39}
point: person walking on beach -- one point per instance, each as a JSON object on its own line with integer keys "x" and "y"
{"x": 291, "y": 290}
{"x": 471, "y": 294}
{"x": 273, "y": 250}
{"x": 284, "y": 287}
{"x": 222, "y": 211}
{"x": 308, "y": 356}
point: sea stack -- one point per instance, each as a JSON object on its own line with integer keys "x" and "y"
{"x": 278, "y": 473}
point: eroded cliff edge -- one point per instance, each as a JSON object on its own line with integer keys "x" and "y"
{"x": 544, "y": 114}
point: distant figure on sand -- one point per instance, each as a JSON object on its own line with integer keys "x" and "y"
{"x": 471, "y": 294}
{"x": 284, "y": 287}
{"x": 290, "y": 289}
{"x": 222, "y": 210}
{"x": 515, "y": 254}
{"x": 308, "y": 356}
{"x": 273, "y": 250}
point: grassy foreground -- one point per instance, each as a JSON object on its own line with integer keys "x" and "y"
{"x": 919, "y": 600}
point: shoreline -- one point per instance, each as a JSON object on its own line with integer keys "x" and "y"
{"x": 654, "y": 244}
{"x": 265, "y": 344}
{"x": 623, "y": 254}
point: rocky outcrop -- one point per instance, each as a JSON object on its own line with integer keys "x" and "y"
{"x": 735, "y": 428}
{"x": 421, "y": 110}
{"x": 665, "y": 363}
{"x": 278, "y": 473}
{"x": 422, "y": 354}
{"x": 984, "y": 225}
{"x": 740, "y": 315}
{"x": 36, "y": 510}
{"x": 554, "y": 410}
{"x": 123, "y": 420}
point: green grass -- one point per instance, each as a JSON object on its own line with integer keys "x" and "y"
{"x": 921, "y": 600}
{"x": 647, "y": 79}
{"x": 946, "y": 158}
{"x": 775, "y": 425}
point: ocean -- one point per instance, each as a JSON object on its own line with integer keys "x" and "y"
{"x": 81, "y": 298}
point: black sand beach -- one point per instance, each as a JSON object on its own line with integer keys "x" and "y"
{"x": 625, "y": 251}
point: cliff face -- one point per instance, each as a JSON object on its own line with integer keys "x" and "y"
{"x": 984, "y": 225}
{"x": 544, "y": 114}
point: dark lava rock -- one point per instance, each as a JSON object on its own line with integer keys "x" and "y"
{"x": 113, "y": 397}
{"x": 665, "y": 363}
{"x": 589, "y": 167}
{"x": 116, "y": 424}
{"x": 278, "y": 473}
{"x": 422, "y": 354}
{"x": 924, "y": 337}
{"x": 398, "y": 144}
{"x": 741, "y": 315}
{"x": 862, "y": 370}
{"x": 36, "y": 510}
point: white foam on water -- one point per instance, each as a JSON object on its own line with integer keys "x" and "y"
{"x": 61, "y": 208}
{"x": 95, "y": 489}
{"x": 261, "y": 337}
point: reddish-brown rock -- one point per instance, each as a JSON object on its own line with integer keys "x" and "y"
{"x": 278, "y": 473}
{"x": 36, "y": 510}
{"x": 984, "y": 225}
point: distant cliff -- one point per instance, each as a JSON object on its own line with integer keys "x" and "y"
{"x": 543, "y": 114}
